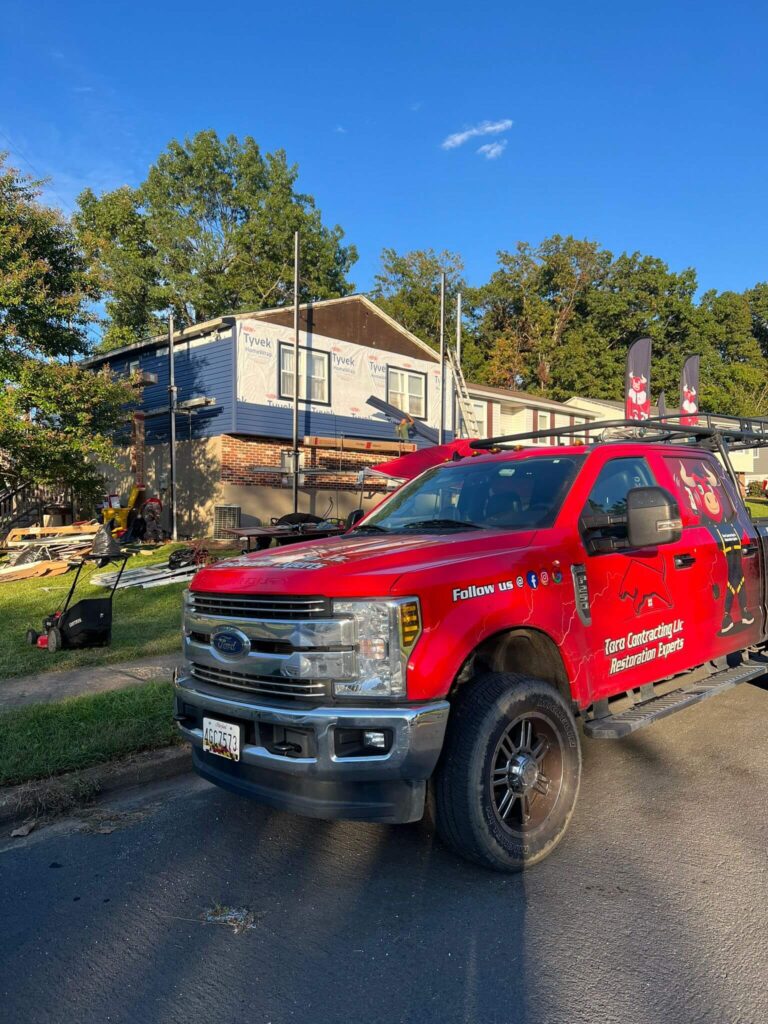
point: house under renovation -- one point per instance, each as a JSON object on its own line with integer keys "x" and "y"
{"x": 235, "y": 384}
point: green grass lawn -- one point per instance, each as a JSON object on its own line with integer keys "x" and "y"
{"x": 145, "y": 622}
{"x": 758, "y": 508}
{"x": 44, "y": 740}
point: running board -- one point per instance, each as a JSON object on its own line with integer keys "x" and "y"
{"x": 613, "y": 727}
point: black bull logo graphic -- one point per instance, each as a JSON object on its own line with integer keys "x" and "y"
{"x": 644, "y": 586}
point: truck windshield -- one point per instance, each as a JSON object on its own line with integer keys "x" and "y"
{"x": 516, "y": 494}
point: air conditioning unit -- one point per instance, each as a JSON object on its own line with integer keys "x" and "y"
{"x": 225, "y": 517}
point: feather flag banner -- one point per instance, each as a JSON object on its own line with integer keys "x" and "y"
{"x": 637, "y": 384}
{"x": 689, "y": 392}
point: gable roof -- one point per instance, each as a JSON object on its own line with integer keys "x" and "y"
{"x": 353, "y": 311}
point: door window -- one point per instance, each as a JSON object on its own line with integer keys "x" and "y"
{"x": 608, "y": 496}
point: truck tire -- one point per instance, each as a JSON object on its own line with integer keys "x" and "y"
{"x": 506, "y": 786}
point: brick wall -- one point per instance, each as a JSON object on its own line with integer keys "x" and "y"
{"x": 243, "y": 459}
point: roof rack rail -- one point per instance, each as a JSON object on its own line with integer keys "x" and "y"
{"x": 711, "y": 432}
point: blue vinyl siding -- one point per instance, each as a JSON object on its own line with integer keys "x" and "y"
{"x": 200, "y": 370}
{"x": 209, "y": 369}
{"x": 269, "y": 421}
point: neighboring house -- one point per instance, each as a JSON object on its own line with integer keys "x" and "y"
{"x": 500, "y": 412}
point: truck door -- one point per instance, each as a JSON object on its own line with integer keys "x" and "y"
{"x": 639, "y": 623}
{"x": 721, "y": 537}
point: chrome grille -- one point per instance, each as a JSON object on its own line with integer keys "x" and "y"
{"x": 271, "y": 687}
{"x": 255, "y": 606}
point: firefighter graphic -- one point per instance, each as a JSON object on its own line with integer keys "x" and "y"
{"x": 707, "y": 500}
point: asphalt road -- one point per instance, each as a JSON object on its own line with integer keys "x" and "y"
{"x": 653, "y": 909}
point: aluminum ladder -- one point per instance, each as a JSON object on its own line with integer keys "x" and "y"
{"x": 466, "y": 408}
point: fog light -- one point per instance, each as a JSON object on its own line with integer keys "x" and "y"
{"x": 378, "y": 740}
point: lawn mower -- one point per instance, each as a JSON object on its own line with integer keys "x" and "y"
{"x": 87, "y": 623}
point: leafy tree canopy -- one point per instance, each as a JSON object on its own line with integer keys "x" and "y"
{"x": 557, "y": 319}
{"x": 55, "y": 417}
{"x": 407, "y": 287}
{"x": 44, "y": 279}
{"x": 210, "y": 231}
{"x": 57, "y": 422}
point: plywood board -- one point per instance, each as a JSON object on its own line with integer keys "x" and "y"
{"x": 351, "y": 444}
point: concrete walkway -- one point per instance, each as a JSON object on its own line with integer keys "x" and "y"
{"x": 46, "y": 687}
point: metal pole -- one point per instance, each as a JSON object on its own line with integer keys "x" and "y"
{"x": 296, "y": 372}
{"x": 441, "y": 433}
{"x": 172, "y": 416}
{"x": 458, "y": 329}
{"x": 456, "y": 409}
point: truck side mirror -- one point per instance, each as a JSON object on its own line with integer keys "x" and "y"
{"x": 653, "y": 517}
{"x": 354, "y": 517}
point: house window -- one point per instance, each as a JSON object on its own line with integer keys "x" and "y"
{"x": 314, "y": 374}
{"x": 481, "y": 416}
{"x": 544, "y": 424}
{"x": 134, "y": 366}
{"x": 408, "y": 391}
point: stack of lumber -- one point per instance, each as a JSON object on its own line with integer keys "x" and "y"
{"x": 22, "y": 535}
{"x": 45, "y": 550}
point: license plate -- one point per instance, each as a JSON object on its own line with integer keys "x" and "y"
{"x": 221, "y": 738}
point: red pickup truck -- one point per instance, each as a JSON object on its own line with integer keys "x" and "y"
{"x": 448, "y": 644}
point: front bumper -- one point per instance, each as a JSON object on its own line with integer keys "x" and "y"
{"x": 323, "y": 784}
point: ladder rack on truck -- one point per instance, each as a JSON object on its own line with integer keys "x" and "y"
{"x": 714, "y": 434}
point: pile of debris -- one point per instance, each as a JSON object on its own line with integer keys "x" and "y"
{"x": 180, "y": 567}
{"x": 45, "y": 550}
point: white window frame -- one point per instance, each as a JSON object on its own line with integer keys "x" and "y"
{"x": 285, "y": 391}
{"x": 406, "y": 393}
{"x": 481, "y": 414}
{"x": 543, "y": 426}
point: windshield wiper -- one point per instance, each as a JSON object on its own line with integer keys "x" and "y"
{"x": 458, "y": 524}
{"x": 370, "y": 526}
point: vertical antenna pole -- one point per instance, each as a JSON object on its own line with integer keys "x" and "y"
{"x": 172, "y": 414}
{"x": 458, "y": 329}
{"x": 296, "y": 372}
{"x": 441, "y": 434}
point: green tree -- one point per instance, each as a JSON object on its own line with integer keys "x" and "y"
{"x": 57, "y": 422}
{"x": 531, "y": 302}
{"x": 56, "y": 418}
{"x": 558, "y": 318}
{"x": 44, "y": 280}
{"x": 210, "y": 231}
{"x": 407, "y": 288}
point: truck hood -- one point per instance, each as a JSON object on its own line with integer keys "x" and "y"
{"x": 355, "y": 566}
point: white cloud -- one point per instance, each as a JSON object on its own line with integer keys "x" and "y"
{"x": 493, "y": 150}
{"x": 484, "y": 128}
{"x": 340, "y": 130}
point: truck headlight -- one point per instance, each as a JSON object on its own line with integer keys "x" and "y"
{"x": 386, "y": 633}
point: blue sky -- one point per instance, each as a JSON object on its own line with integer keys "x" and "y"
{"x": 640, "y": 125}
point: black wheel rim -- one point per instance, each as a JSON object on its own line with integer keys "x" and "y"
{"x": 526, "y": 773}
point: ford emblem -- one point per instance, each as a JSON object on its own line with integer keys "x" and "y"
{"x": 231, "y": 642}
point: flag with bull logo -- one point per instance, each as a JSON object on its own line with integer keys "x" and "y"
{"x": 637, "y": 389}
{"x": 689, "y": 392}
